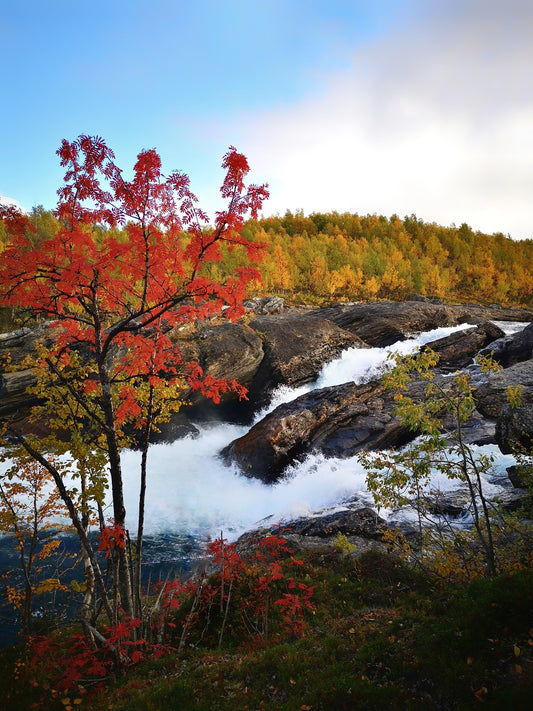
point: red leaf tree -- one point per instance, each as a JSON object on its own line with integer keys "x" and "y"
{"x": 129, "y": 266}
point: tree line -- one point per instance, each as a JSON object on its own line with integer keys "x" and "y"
{"x": 357, "y": 257}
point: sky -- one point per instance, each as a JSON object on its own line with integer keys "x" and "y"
{"x": 400, "y": 107}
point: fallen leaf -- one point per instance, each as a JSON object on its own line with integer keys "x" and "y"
{"x": 481, "y": 693}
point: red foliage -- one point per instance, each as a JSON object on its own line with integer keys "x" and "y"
{"x": 15, "y": 221}
{"x": 112, "y": 537}
{"x": 104, "y": 288}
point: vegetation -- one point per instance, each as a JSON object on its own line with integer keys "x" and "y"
{"x": 379, "y": 635}
{"x": 124, "y": 267}
{"x": 401, "y": 478}
{"x": 347, "y": 256}
{"x": 367, "y": 257}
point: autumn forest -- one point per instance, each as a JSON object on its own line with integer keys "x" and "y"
{"x": 349, "y": 256}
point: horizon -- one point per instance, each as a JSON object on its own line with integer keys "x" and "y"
{"x": 381, "y": 107}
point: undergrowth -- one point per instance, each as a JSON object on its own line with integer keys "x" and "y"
{"x": 378, "y": 635}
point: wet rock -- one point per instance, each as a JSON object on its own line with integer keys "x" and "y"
{"x": 385, "y": 322}
{"x": 363, "y": 522}
{"x": 458, "y": 349}
{"x": 296, "y": 347}
{"x": 337, "y": 421}
{"x": 512, "y": 349}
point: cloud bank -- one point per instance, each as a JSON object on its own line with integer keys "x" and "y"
{"x": 436, "y": 120}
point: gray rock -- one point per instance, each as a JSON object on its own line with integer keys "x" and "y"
{"x": 512, "y": 349}
{"x": 385, "y": 322}
{"x": 458, "y": 349}
{"x": 296, "y": 347}
{"x": 491, "y": 395}
{"x": 337, "y": 421}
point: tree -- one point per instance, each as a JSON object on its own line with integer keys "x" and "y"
{"x": 403, "y": 477}
{"x": 29, "y": 512}
{"x": 114, "y": 298}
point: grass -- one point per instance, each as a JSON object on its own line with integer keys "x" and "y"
{"x": 381, "y": 636}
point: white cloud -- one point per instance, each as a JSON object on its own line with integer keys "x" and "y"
{"x": 11, "y": 203}
{"x": 436, "y": 120}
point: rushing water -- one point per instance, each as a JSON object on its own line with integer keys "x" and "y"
{"x": 192, "y": 495}
{"x": 190, "y": 490}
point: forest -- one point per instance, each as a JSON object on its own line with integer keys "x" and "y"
{"x": 335, "y": 256}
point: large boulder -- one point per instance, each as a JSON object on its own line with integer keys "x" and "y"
{"x": 512, "y": 349}
{"x": 14, "y": 384}
{"x": 361, "y": 525}
{"x": 491, "y": 394}
{"x": 337, "y": 421}
{"x": 229, "y": 350}
{"x": 296, "y": 346}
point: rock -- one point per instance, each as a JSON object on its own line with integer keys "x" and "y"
{"x": 491, "y": 394}
{"x": 21, "y": 343}
{"x": 521, "y": 477}
{"x": 268, "y": 305}
{"x": 230, "y": 350}
{"x": 451, "y": 504}
{"x": 13, "y": 391}
{"x": 337, "y": 421}
{"x": 361, "y": 521}
{"x": 458, "y": 349}
{"x": 514, "y": 428}
{"x": 296, "y": 347}
{"x": 512, "y": 349}
{"x": 360, "y": 524}
{"x": 454, "y": 504}
{"x": 385, "y": 322}
{"x": 514, "y": 422}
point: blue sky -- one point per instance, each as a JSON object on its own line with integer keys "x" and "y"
{"x": 367, "y": 106}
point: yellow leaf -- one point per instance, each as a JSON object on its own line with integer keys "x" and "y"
{"x": 518, "y": 668}
{"x": 469, "y": 661}
{"x": 516, "y": 651}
